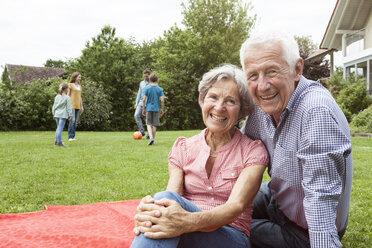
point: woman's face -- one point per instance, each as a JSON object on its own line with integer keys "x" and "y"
{"x": 78, "y": 78}
{"x": 221, "y": 107}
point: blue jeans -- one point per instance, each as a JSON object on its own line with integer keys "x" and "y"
{"x": 60, "y": 124}
{"x": 137, "y": 117}
{"x": 270, "y": 227}
{"x": 223, "y": 237}
{"x": 73, "y": 123}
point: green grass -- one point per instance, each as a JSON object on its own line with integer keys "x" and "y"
{"x": 111, "y": 166}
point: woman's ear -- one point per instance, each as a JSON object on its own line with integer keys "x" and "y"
{"x": 201, "y": 99}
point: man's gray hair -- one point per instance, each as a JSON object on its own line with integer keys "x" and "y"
{"x": 267, "y": 38}
{"x": 227, "y": 72}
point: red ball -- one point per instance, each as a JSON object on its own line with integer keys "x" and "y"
{"x": 137, "y": 135}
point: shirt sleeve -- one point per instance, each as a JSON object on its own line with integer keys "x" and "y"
{"x": 323, "y": 150}
{"x": 178, "y": 155}
{"x": 138, "y": 95}
{"x": 69, "y": 108}
{"x": 256, "y": 154}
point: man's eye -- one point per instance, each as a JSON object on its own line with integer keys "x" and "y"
{"x": 252, "y": 77}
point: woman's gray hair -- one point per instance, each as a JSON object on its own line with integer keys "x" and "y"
{"x": 267, "y": 38}
{"x": 226, "y": 72}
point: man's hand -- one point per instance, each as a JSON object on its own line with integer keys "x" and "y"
{"x": 144, "y": 112}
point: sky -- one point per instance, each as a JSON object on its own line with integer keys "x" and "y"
{"x": 33, "y": 31}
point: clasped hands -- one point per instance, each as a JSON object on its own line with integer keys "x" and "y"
{"x": 163, "y": 218}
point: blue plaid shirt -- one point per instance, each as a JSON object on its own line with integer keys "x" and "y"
{"x": 310, "y": 161}
{"x": 141, "y": 91}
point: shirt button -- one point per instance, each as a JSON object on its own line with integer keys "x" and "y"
{"x": 233, "y": 174}
{"x": 210, "y": 188}
{"x": 212, "y": 199}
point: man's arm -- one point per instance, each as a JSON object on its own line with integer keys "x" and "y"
{"x": 144, "y": 105}
{"x": 138, "y": 99}
{"x": 324, "y": 148}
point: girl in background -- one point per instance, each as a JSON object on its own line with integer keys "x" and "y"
{"x": 76, "y": 103}
{"x": 61, "y": 111}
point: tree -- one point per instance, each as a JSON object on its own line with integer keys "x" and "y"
{"x": 313, "y": 69}
{"x": 214, "y": 31}
{"x": 55, "y": 63}
{"x": 110, "y": 61}
{"x": 5, "y": 79}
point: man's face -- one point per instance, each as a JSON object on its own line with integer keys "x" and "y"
{"x": 270, "y": 80}
{"x": 146, "y": 76}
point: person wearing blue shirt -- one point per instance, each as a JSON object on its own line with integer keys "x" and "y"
{"x": 306, "y": 202}
{"x": 139, "y": 101}
{"x": 153, "y": 94}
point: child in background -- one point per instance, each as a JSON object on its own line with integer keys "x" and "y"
{"x": 153, "y": 95}
{"x": 61, "y": 112}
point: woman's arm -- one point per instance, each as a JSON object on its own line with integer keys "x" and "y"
{"x": 175, "y": 182}
{"x": 175, "y": 221}
{"x": 147, "y": 206}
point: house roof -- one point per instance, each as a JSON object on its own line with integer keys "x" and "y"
{"x": 23, "y": 74}
{"x": 348, "y": 16}
{"x": 318, "y": 54}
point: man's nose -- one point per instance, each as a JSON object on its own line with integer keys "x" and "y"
{"x": 263, "y": 83}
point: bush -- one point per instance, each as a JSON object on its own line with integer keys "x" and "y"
{"x": 363, "y": 120}
{"x": 351, "y": 96}
{"x": 354, "y": 96}
{"x": 97, "y": 107}
{"x": 29, "y": 106}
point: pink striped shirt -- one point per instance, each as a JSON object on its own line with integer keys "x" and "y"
{"x": 191, "y": 155}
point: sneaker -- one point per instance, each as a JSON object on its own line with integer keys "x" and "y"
{"x": 143, "y": 134}
{"x": 151, "y": 142}
{"x": 71, "y": 139}
{"x": 61, "y": 144}
{"x": 55, "y": 143}
{"x": 147, "y": 137}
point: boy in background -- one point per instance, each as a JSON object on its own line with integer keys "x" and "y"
{"x": 153, "y": 94}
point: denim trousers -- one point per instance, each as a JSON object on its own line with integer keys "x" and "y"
{"x": 223, "y": 237}
{"x": 73, "y": 123}
{"x": 60, "y": 124}
{"x": 270, "y": 227}
{"x": 137, "y": 117}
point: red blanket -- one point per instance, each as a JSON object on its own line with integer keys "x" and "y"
{"x": 93, "y": 225}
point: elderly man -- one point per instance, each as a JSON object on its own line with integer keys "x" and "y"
{"x": 306, "y": 202}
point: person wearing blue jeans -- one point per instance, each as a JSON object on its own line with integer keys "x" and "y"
{"x": 73, "y": 124}
{"x": 139, "y": 105}
{"x": 61, "y": 110}
{"x": 225, "y": 236}
{"x": 75, "y": 90}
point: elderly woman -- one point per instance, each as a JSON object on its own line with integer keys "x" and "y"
{"x": 213, "y": 176}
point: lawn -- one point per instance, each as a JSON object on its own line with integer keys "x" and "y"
{"x": 112, "y": 166}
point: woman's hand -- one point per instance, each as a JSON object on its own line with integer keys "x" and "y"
{"x": 144, "y": 208}
{"x": 172, "y": 222}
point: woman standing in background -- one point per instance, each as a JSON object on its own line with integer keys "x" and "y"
{"x": 76, "y": 103}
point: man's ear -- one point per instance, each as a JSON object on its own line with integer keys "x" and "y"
{"x": 299, "y": 67}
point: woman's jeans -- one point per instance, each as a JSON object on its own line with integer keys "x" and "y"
{"x": 60, "y": 124}
{"x": 73, "y": 123}
{"x": 223, "y": 237}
